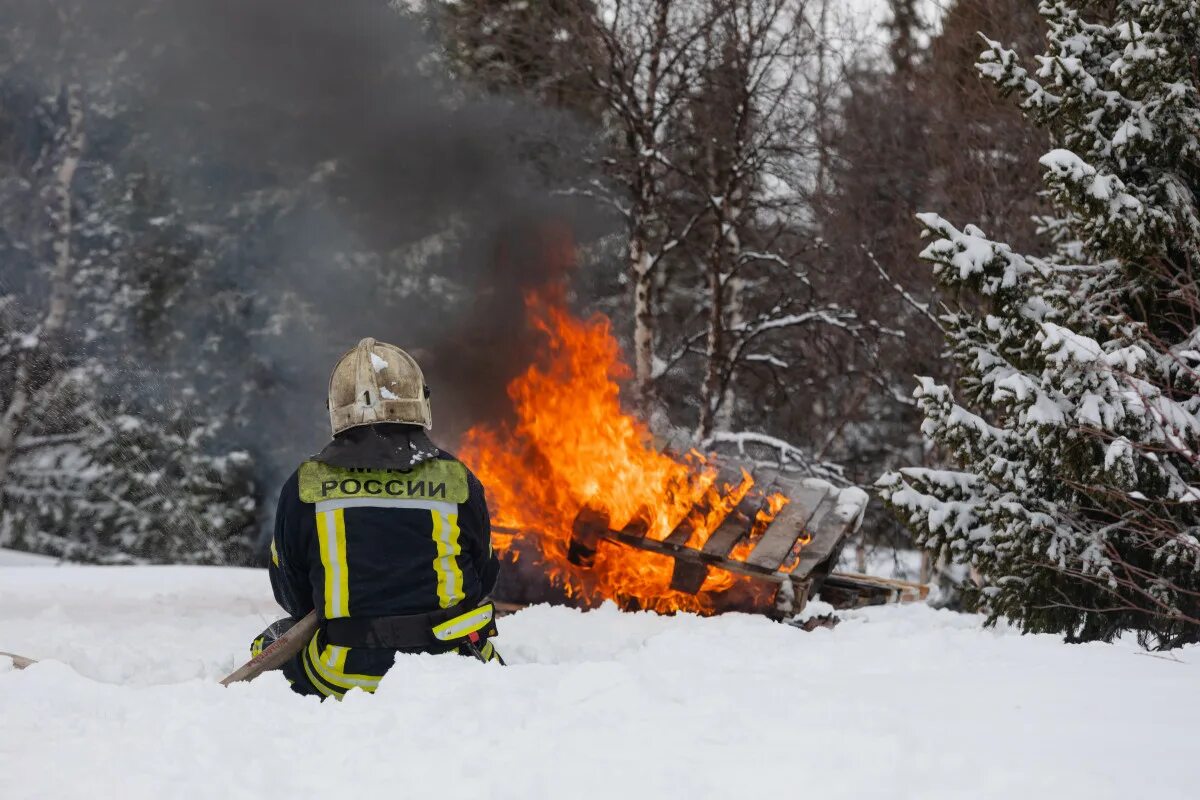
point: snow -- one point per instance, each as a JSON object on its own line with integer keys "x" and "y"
{"x": 896, "y": 702}
{"x": 16, "y": 558}
{"x": 380, "y": 364}
{"x": 969, "y": 252}
{"x": 850, "y": 503}
{"x": 880, "y": 561}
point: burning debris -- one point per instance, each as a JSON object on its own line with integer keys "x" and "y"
{"x": 574, "y": 478}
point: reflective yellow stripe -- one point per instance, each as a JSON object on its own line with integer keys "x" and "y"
{"x": 328, "y": 691}
{"x": 331, "y": 536}
{"x": 464, "y": 624}
{"x": 274, "y": 553}
{"x": 335, "y": 657}
{"x": 445, "y": 564}
{"x": 330, "y": 665}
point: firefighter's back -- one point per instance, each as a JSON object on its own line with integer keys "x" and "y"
{"x": 387, "y": 537}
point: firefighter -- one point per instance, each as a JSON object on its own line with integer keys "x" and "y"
{"x": 385, "y": 535}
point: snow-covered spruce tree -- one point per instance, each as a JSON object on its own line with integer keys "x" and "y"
{"x": 118, "y": 483}
{"x": 1076, "y": 426}
{"x": 163, "y": 490}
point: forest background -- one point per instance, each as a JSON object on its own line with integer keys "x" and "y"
{"x": 203, "y": 204}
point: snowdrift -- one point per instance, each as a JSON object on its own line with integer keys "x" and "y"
{"x": 896, "y": 702}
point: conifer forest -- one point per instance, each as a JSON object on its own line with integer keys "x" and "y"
{"x": 944, "y": 253}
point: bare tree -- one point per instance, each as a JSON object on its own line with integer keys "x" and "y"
{"x": 711, "y": 115}
{"x": 914, "y": 131}
{"x": 655, "y": 52}
{"x": 754, "y": 164}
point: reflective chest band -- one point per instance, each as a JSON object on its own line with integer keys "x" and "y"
{"x": 464, "y": 624}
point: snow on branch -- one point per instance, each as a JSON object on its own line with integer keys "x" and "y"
{"x": 921, "y": 308}
{"x": 787, "y": 455}
{"x": 833, "y": 315}
{"x": 766, "y": 358}
{"x": 967, "y": 256}
{"x": 1104, "y": 195}
{"x": 1002, "y": 66}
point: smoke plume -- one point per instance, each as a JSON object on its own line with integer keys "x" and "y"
{"x": 338, "y": 183}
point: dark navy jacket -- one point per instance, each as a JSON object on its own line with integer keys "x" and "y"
{"x": 362, "y": 542}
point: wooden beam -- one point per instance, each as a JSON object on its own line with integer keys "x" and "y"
{"x": 828, "y": 531}
{"x": 873, "y": 590}
{"x": 590, "y": 524}
{"x": 688, "y": 575}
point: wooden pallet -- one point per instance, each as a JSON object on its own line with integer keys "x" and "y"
{"x": 812, "y": 522}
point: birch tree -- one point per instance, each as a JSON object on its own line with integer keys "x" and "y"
{"x": 31, "y": 360}
{"x": 653, "y": 54}
{"x": 756, "y": 120}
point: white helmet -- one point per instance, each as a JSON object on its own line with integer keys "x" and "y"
{"x": 377, "y": 382}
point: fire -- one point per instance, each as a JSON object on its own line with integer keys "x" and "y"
{"x": 570, "y": 446}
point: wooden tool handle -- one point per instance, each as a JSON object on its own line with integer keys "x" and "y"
{"x": 278, "y": 652}
{"x": 20, "y": 662}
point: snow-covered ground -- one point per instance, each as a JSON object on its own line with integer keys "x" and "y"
{"x": 894, "y": 703}
{"x": 16, "y": 558}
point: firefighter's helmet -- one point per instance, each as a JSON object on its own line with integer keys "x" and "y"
{"x": 377, "y": 382}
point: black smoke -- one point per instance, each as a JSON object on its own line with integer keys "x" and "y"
{"x": 336, "y": 181}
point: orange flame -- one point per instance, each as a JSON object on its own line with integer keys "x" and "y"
{"x": 571, "y": 446}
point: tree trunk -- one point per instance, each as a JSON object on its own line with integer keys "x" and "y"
{"x": 643, "y": 318}
{"x": 60, "y": 215}
{"x": 724, "y": 416}
{"x": 38, "y": 365}
{"x": 710, "y": 392}
{"x": 716, "y": 408}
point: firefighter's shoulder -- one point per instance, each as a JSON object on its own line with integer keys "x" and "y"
{"x": 289, "y": 492}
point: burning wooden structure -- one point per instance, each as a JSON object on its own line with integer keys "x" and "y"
{"x": 796, "y": 550}
{"x": 585, "y": 499}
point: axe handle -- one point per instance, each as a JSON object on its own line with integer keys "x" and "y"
{"x": 278, "y": 652}
{"x": 271, "y": 657}
{"x": 20, "y": 662}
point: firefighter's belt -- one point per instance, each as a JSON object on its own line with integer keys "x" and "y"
{"x": 443, "y": 629}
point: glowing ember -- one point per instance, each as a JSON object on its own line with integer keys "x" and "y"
{"x": 571, "y": 445}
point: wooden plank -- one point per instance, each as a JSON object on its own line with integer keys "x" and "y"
{"x": 727, "y": 476}
{"x": 688, "y": 575}
{"x": 780, "y": 537}
{"x": 727, "y": 534}
{"x": 589, "y": 525}
{"x": 899, "y": 591}
{"x": 637, "y": 527}
{"x": 827, "y": 532}
{"x": 736, "y": 525}
{"x": 725, "y": 564}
